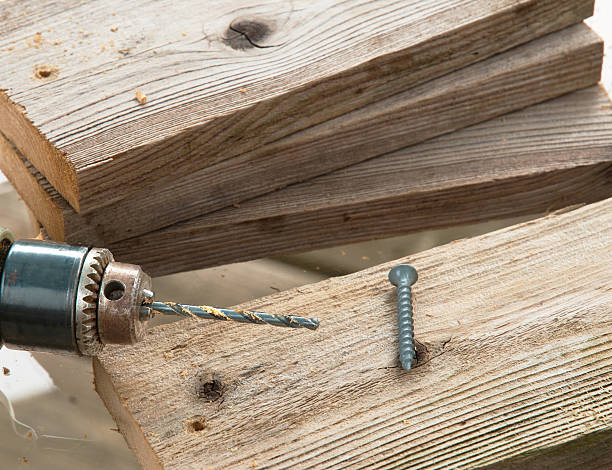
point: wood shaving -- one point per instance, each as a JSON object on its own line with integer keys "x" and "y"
{"x": 45, "y": 72}
{"x": 141, "y": 97}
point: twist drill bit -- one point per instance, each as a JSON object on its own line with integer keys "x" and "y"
{"x": 242, "y": 316}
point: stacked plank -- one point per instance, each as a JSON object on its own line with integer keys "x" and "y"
{"x": 183, "y": 134}
{"x": 245, "y": 130}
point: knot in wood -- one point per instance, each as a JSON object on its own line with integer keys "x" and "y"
{"x": 246, "y": 34}
{"x": 210, "y": 386}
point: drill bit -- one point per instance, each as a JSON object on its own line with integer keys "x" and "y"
{"x": 242, "y": 316}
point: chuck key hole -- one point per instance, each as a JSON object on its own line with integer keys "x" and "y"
{"x": 114, "y": 290}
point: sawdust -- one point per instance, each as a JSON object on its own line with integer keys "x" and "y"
{"x": 141, "y": 97}
{"x": 46, "y": 72}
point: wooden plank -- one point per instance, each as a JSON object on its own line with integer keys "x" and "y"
{"x": 223, "y": 77}
{"x": 515, "y": 363}
{"x": 543, "y": 69}
{"x": 542, "y": 158}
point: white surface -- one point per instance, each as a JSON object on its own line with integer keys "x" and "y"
{"x": 25, "y": 379}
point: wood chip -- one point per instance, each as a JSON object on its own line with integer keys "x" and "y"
{"x": 141, "y": 97}
{"x": 114, "y": 29}
{"x": 45, "y": 72}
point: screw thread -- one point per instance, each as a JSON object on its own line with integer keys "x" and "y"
{"x": 406, "y": 326}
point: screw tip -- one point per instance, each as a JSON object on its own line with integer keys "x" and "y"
{"x": 403, "y": 274}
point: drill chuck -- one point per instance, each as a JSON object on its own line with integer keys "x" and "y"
{"x": 62, "y": 298}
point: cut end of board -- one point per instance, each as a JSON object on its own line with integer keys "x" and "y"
{"x": 127, "y": 425}
{"x": 47, "y": 211}
{"x": 20, "y": 132}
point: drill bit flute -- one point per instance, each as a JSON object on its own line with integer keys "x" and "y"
{"x": 242, "y": 316}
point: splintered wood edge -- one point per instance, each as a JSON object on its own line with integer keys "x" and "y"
{"x": 21, "y": 132}
{"x": 45, "y": 207}
{"x": 128, "y": 426}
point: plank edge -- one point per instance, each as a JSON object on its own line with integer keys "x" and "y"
{"x": 129, "y": 428}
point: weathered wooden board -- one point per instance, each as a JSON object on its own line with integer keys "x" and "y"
{"x": 542, "y": 158}
{"x": 222, "y": 77}
{"x": 515, "y": 366}
{"x": 543, "y": 69}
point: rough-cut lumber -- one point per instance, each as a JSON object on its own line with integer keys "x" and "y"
{"x": 515, "y": 366}
{"x": 222, "y": 77}
{"x": 542, "y": 158}
{"x": 543, "y": 69}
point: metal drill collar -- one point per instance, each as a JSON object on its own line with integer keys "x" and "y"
{"x": 124, "y": 290}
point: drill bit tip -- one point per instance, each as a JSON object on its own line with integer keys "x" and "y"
{"x": 243, "y": 316}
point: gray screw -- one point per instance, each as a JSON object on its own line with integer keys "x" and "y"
{"x": 403, "y": 276}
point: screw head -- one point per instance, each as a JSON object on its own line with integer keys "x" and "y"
{"x": 403, "y": 274}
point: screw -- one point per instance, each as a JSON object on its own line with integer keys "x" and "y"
{"x": 403, "y": 276}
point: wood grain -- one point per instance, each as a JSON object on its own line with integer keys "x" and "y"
{"x": 515, "y": 363}
{"x": 540, "y": 159}
{"x": 543, "y": 69}
{"x": 222, "y": 77}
